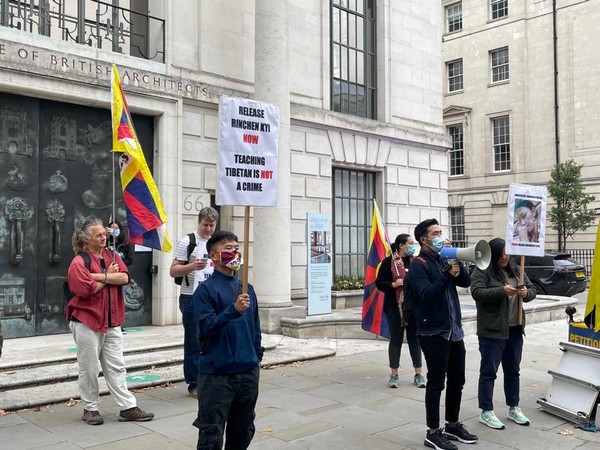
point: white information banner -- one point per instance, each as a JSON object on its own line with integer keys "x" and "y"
{"x": 248, "y": 142}
{"x": 526, "y": 227}
{"x": 319, "y": 264}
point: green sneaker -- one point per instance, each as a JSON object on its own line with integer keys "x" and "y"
{"x": 516, "y": 415}
{"x": 489, "y": 418}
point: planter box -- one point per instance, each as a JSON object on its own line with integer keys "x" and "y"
{"x": 347, "y": 299}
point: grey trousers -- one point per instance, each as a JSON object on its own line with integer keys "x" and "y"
{"x": 95, "y": 350}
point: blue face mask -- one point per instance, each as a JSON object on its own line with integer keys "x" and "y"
{"x": 437, "y": 244}
{"x": 411, "y": 250}
{"x": 115, "y": 232}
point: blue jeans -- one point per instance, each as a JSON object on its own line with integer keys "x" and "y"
{"x": 226, "y": 406}
{"x": 494, "y": 352}
{"x": 191, "y": 347}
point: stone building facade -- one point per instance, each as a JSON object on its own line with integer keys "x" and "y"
{"x": 360, "y": 110}
{"x": 511, "y": 119}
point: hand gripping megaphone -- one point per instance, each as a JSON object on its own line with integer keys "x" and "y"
{"x": 480, "y": 254}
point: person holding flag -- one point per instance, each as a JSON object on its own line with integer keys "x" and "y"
{"x": 390, "y": 281}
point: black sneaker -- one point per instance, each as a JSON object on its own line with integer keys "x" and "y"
{"x": 458, "y": 432}
{"x": 438, "y": 441}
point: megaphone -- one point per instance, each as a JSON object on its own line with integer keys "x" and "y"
{"x": 480, "y": 254}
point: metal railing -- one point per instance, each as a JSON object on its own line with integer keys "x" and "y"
{"x": 585, "y": 257}
{"x": 89, "y": 22}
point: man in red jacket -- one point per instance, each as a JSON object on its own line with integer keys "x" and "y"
{"x": 95, "y": 315}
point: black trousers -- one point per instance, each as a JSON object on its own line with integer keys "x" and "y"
{"x": 392, "y": 314}
{"x": 445, "y": 360}
{"x": 226, "y": 406}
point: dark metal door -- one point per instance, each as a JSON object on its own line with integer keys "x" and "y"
{"x": 57, "y": 165}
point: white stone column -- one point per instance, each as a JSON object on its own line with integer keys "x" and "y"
{"x": 271, "y": 226}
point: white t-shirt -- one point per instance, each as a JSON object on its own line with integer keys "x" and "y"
{"x": 201, "y": 275}
{"x": 197, "y": 276}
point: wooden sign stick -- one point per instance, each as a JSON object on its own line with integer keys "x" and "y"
{"x": 245, "y": 253}
{"x": 522, "y": 282}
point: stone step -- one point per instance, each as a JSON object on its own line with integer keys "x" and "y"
{"x": 346, "y": 323}
{"x": 67, "y": 370}
{"x": 26, "y": 386}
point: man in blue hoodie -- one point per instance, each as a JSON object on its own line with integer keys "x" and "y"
{"x": 231, "y": 351}
{"x": 438, "y": 318}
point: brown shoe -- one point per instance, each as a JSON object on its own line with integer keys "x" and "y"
{"x": 193, "y": 393}
{"x": 92, "y": 417}
{"x": 135, "y": 414}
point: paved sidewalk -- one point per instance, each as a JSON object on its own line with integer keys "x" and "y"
{"x": 339, "y": 402}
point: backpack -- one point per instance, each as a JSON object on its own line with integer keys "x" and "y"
{"x": 408, "y": 306}
{"x": 68, "y": 295}
{"x": 190, "y": 248}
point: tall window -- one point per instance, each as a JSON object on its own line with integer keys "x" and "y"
{"x": 457, "y": 227}
{"x": 455, "y": 75}
{"x": 501, "y": 136}
{"x": 454, "y": 17}
{"x": 457, "y": 161}
{"x": 498, "y": 9}
{"x": 352, "y": 211}
{"x": 499, "y": 64}
{"x": 353, "y": 57}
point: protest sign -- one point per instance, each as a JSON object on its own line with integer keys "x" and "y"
{"x": 248, "y": 145}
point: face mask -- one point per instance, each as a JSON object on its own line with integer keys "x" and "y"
{"x": 231, "y": 259}
{"x": 437, "y": 244}
{"x": 411, "y": 250}
{"x": 115, "y": 232}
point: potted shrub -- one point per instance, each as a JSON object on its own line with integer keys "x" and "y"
{"x": 347, "y": 292}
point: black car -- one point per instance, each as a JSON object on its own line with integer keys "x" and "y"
{"x": 555, "y": 274}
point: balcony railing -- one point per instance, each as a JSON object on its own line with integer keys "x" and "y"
{"x": 131, "y": 31}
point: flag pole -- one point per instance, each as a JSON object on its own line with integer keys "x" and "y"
{"x": 112, "y": 163}
{"x": 114, "y": 216}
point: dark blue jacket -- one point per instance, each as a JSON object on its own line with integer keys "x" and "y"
{"x": 432, "y": 290}
{"x": 230, "y": 342}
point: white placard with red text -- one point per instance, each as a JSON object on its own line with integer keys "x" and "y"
{"x": 248, "y": 143}
{"x": 526, "y": 227}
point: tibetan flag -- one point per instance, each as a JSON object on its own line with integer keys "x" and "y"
{"x": 146, "y": 216}
{"x": 592, "y": 307}
{"x": 373, "y": 319}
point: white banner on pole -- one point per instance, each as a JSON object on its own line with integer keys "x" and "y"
{"x": 526, "y": 227}
{"x": 248, "y": 143}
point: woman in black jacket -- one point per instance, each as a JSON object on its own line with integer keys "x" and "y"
{"x": 118, "y": 241}
{"x": 390, "y": 281}
{"x": 496, "y": 291}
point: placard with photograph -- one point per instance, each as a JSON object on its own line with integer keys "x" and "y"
{"x": 526, "y": 226}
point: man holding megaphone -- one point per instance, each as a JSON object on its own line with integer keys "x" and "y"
{"x": 438, "y": 319}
